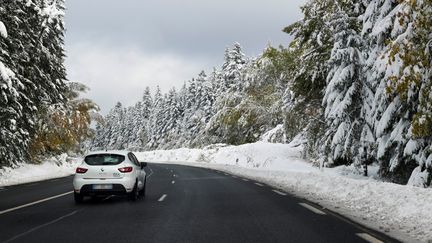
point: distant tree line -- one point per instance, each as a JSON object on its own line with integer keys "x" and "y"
{"x": 41, "y": 113}
{"x": 235, "y": 104}
{"x": 355, "y": 82}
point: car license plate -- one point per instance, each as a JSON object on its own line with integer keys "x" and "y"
{"x": 102, "y": 187}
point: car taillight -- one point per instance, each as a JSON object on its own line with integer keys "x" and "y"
{"x": 80, "y": 170}
{"x": 126, "y": 169}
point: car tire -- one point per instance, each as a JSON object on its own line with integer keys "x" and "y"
{"x": 134, "y": 194}
{"x": 79, "y": 198}
{"x": 143, "y": 190}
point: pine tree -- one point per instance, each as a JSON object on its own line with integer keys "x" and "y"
{"x": 411, "y": 59}
{"x": 32, "y": 71}
{"x": 198, "y": 109}
{"x": 387, "y": 116}
{"x": 155, "y": 125}
{"x": 223, "y": 124}
{"x": 342, "y": 99}
{"x": 232, "y": 68}
{"x": 172, "y": 114}
{"x": 14, "y": 122}
{"x": 311, "y": 47}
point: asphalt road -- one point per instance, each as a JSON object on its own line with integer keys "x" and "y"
{"x": 182, "y": 204}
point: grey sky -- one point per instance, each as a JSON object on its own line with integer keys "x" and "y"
{"x": 118, "y": 47}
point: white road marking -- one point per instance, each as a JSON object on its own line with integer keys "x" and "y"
{"x": 313, "y": 209}
{"x": 162, "y": 198}
{"x": 203, "y": 178}
{"x": 368, "y": 238}
{"x": 258, "y": 184}
{"x": 172, "y": 182}
{"x": 151, "y": 173}
{"x": 35, "y": 202}
{"x": 174, "y": 175}
{"x": 41, "y": 226}
{"x": 245, "y": 179}
{"x": 280, "y": 193}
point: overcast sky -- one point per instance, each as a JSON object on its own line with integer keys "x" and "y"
{"x": 117, "y": 48}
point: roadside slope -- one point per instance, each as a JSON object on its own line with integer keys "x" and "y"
{"x": 49, "y": 169}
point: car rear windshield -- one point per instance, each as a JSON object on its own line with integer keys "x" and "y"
{"x": 104, "y": 159}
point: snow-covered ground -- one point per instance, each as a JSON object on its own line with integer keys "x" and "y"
{"x": 52, "y": 168}
{"x": 401, "y": 211}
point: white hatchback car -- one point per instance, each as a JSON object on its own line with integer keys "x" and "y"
{"x": 110, "y": 173}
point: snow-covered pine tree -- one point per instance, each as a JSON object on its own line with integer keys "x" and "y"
{"x": 141, "y": 119}
{"x": 50, "y": 42}
{"x": 223, "y": 124}
{"x": 422, "y": 124}
{"x": 199, "y": 100}
{"x": 313, "y": 39}
{"x": 112, "y": 132}
{"x": 312, "y": 45}
{"x": 155, "y": 127}
{"x": 387, "y": 114}
{"x": 172, "y": 114}
{"x": 129, "y": 128}
{"x": 14, "y": 122}
{"x": 213, "y": 90}
{"x": 98, "y": 140}
{"x": 33, "y": 75}
{"x": 232, "y": 68}
{"x": 342, "y": 99}
{"x": 189, "y": 123}
{"x": 115, "y": 127}
{"x": 206, "y": 98}
{"x": 410, "y": 59}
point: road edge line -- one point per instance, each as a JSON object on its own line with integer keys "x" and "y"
{"x": 312, "y": 208}
{"x": 369, "y": 238}
{"x": 35, "y": 202}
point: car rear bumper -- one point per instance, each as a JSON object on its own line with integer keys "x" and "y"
{"x": 117, "y": 189}
{"x": 119, "y": 186}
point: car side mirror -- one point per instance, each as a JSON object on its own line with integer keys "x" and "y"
{"x": 143, "y": 164}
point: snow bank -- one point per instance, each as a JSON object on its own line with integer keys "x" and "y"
{"x": 401, "y": 211}
{"x": 3, "y": 31}
{"x": 275, "y": 135}
{"x": 49, "y": 169}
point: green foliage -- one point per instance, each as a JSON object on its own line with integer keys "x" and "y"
{"x": 312, "y": 45}
{"x": 282, "y": 63}
{"x": 62, "y": 128}
{"x": 310, "y": 51}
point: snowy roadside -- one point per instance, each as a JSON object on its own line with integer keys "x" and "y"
{"x": 400, "y": 211}
{"x": 52, "y": 168}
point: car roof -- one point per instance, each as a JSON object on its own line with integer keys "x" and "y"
{"x": 119, "y": 152}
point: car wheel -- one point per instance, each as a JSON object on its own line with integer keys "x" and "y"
{"x": 143, "y": 190}
{"x": 78, "y": 198}
{"x": 134, "y": 193}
